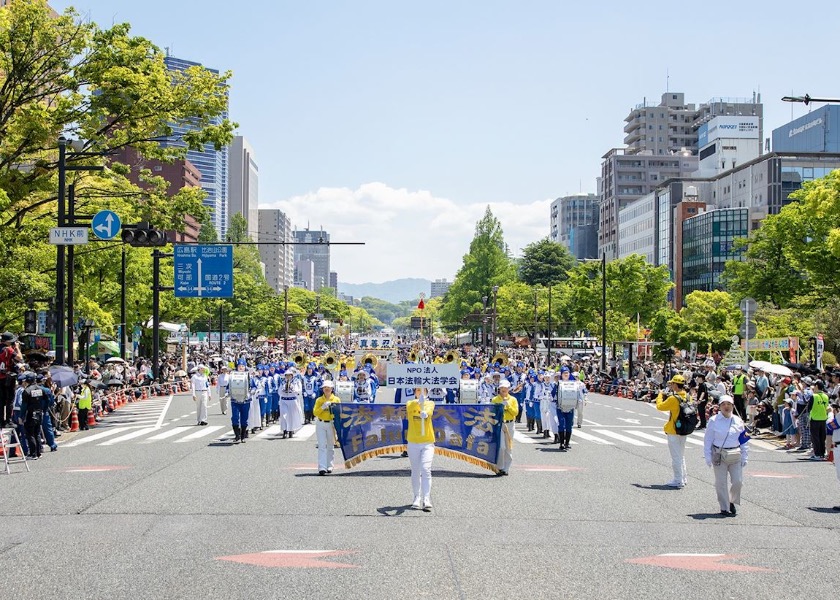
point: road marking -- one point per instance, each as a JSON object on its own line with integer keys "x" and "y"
{"x": 524, "y": 439}
{"x": 167, "y": 434}
{"x": 97, "y": 469}
{"x": 129, "y": 436}
{"x": 550, "y": 469}
{"x": 163, "y": 412}
{"x": 631, "y": 421}
{"x": 296, "y": 559}
{"x": 273, "y": 430}
{"x": 647, "y": 436}
{"x": 96, "y": 436}
{"x": 304, "y": 433}
{"x": 592, "y": 423}
{"x": 591, "y": 438}
{"x": 621, "y": 438}
{"x": 687, "y": 439}
{"x": 696, "y": 562}
{"x": 204, "y": 431}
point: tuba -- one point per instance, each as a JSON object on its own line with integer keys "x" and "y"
{"x": 299, "y": 358}
{"x": 451, "y": 357}
{"x": 370, "y": 359}
{"x": 412, "y": 356}
{"x": 501, "y": 358}
{"x": 330, "y": 361}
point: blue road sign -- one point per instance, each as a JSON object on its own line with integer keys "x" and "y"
{"x": 203, "y": 271}
{"x": 106, "y": 224}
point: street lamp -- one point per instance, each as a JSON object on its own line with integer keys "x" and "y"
{"x": 806, "y": 99}
{"x": 495, "y": 315}
{"x": 286, "y": 320}
{"x": 604, "y": 311}
{"x": 484, "y": 325}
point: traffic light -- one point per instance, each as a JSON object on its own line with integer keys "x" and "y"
{"x": 30, "y": 321}
{"x": 143, "y": 235}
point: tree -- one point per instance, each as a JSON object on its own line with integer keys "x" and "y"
{"x": 544, "y": 263}
{"x": 709, "y": 318}
{"x": 62, "y": 75}
{"x": 487, "y": 265}
{"x": 237, "y": 230}
{"x": 208, "y": 234}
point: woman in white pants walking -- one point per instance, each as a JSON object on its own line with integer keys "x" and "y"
{"x": 726, "y": 454}
{"x": 421, "y": 447}
{"x": 324, "y": 429}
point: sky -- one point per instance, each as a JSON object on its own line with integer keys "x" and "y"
{"x": 396, "y": 123}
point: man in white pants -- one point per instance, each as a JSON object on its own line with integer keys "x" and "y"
{"x": 201, "y": 393}
{"x": 221, "y": 388}
{"x": 324, "y": 429}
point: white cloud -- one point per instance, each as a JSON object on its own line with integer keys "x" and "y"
{"x": 406, "y": 233}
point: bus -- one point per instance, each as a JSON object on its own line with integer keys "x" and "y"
{"x": 583, "y": 346}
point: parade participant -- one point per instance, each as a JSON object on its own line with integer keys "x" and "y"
{"x": 221, "y": 388}
{"x": 400, "y": 392}
{"x": 291, "y": 411}
{"x": 201, "y": 393}
{"x": 421, "y": 447}
{"x": 548, "y": 406}
{"x": 374, "y": 382}
{"x": 517, "y": 388}
{"x": 725, "y": 450}
{"x": 35, "y": 402}
{"x": 311, "y": 390}
{"x": 324, "y": 430}
{"x": 533, "y": 390}
{"x": 238, "y": 388}
{"x": 437, "y": 394}
{"x": 84, "y": 403}
{"x": 362, "y": 393}
{"x": 486, "y": 391}
{"x": 569, "y": 397}
{"x": 264, "y": 385}
{"x": 511, "y": 410}
{"x": 275, "y": 380}
{"x": 669, "y": 401}
{"x": 583, "y": 391}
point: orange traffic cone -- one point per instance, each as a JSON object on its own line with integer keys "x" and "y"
{"x": 831, "y": 455}
{"x": 91, "y": 419}
{"x": 110, "y": 404}
{"x": 74, "y": 420}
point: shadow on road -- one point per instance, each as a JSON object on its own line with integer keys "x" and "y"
{"x": 824, "y": 509}
{"x": 404, "y": 473}
{"x": 704, "y": 516}
{"x": 656, "y": 486}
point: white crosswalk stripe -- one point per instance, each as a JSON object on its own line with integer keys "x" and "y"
{"x": 591, "y": 438}
{"x": 619, "y": 437}
{"x": 204, "y": 431}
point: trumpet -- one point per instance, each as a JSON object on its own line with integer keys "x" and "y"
{"x": 501, "y": 358}
{"x": 451, "y": 357}
{"x": 299, "y": 358}
{"x": 330, "y": 361}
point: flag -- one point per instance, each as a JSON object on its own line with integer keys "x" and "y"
{"x": 421, "y": 305}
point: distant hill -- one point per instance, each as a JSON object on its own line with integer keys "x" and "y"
{"x": 391, "y": 291}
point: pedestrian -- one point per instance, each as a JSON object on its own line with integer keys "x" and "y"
{"x": 221, "y": 388}
{"x": 583, "y": 391}
{"x": 788, "y": 425}
{"x": 702, "y": 399}
{"x": 324, "y": 429}
{"x": 511, "y": 408}
{"x": 819, "y": 416}
{"x": 421, "y": 447}
{"x": 85, "y": 403}
{"x": 669, "y": 401}
{"x": 725, "y": 450}
{"x": 201, "y": 393}
{"x": 833, "y": 425}
{"x": 739, "y": 389}
{"x": 35, "y": 402}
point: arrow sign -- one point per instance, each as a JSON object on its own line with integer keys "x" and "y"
{"x": 292, "y": 559}
{"x": 696, "y": 562}
{"x": 203, "y": 271}
{"x": 106, "y": 224}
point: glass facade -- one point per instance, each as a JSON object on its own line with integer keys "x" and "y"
{"x": 708, "y": 241}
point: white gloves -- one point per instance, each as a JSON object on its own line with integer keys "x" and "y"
{"x": 326, "y": 405}
{"x": 424, "y": 415}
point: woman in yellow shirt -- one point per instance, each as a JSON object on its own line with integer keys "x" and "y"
{"x": 324, "y": 427}
{"x": 421, "y": 447}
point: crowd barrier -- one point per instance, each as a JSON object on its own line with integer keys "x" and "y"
{"x": 112, "y": 401}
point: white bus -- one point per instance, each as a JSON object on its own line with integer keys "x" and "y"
{"x": 584, "y": 346}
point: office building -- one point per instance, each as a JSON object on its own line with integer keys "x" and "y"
{"x": 439, "y": 288}
{"x": 313, "y": 246}
{"x": 637, "y": 228}
{"x": 707, "y": 244}
{"x": 334, "y": 280}
{"x": 274, "y": 226}
{"x": 726, "y": 142}
{"x": 243, "y": 185}
{"x": 687, "y": 209}
{"x": 818, "y": 131}
{"x": 305, "y": 274}
{"x": 574, "y": 223}
{"x": 212, "y": 163}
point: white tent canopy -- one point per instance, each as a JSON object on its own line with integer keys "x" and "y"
{"x": 170, "y": 327}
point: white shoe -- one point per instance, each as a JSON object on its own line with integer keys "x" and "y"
{"x": 427, "y": 502}
{"x": 418, "y": 503}
{"x": 675, "y": 484}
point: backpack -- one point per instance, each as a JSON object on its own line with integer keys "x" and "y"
{"x": 686, "y": 419}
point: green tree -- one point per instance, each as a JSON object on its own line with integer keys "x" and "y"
{"x": 545, "y": 262}
{"x": 487, "y": 265}
{"x": 208, "y": 234}
{"x": 237, "y": 230}
{"x": 709, "y": 318}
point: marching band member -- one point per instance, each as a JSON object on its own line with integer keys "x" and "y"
{"x": 238, "y": 387}
{"x": 291, "y": 413}
{"x": 421, "y": 448}
{"x": 548, "y": 407}
{"x": 576, "y": 376}
{"x": 264, "y": 383}
{"x": 437, "y": 394}
{"x": 533, "y": 392}
{"x": 311, "y": 390}
{"x": 362, "y": 393}
{"x": 273, "y": 412}
{"x": 486, "y": 391}
{"x": 324, "y": 429}
{"x": 511, "y": 410}
{"x": 254, "y": 408}
{"x": 569, "y": 397}
{"x": 200, "y": 385}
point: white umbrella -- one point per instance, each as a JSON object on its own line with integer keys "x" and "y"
{"x": 778, "y": 370}
{"x": 113, "y": 360}
{"x": 760, "y": 364}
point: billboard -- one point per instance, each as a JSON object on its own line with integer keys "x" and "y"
{"x": 812, "y": 132}
{"x": 728, "y": 127}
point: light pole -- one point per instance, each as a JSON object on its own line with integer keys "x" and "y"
{"x": 484, "y": 325}
{"x": 286, "y": 320}
{"x": 548, "y": 354}
{"x": 604, "y": 311}
{"x": 536, "y": 322}
{"x": 495, "y": 315}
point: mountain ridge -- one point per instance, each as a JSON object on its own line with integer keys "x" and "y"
{"x": 393, "y": 291}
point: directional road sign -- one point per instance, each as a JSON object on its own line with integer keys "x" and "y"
{"x": 748, "y": 329}
{"x": 68, "y": 236}
{"x": 203, "y": 271}
{"x": 749, "y": 305}
{"x": 106, "y": 225}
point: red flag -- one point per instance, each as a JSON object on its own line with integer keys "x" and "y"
{"x": 421, "y": 305}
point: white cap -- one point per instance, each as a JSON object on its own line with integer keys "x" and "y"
{"x": 328, "y": 384}
{"x": 726, "y": 398}
{"x": 504, "y": 383}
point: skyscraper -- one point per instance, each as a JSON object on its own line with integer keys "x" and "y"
{"x": 312, "y": 246}
{"x": 275, "y": 226}
{"x": 212, "y": 163}
{"x": 243, "y": 184}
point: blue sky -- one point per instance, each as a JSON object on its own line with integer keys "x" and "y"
{"x": 396, "y": 123}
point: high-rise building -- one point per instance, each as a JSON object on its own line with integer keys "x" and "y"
{"x": 439, "y": 288}
{"x": 574, "y": 223}
{"x": 243, "y": 185}
{"x": 334, "y": 280}
{"x": 313, "y": 246}
{"x": 212, "y": 163}
{"x": 275, "y": 226}
{"x": 707, "y": 244}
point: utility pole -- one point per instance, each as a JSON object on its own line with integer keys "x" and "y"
{"x": 286, "y": 320}
{"x": 122, "y": 307}
{"x": 156, "y": 290}
{"x": 604, "y": 311}
{"x": 60, "y": 255}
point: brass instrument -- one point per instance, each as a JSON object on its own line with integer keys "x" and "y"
{"x": 370, "y": 359}
{"x": 451, "y": 357}
{"x": 501, "y": 358}
{"x": 299, "y": 358}
{"x": 330, "y": 360}
{"x": 412, "y": 356}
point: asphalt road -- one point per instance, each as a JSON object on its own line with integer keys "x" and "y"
{"x": 153, "y": 508}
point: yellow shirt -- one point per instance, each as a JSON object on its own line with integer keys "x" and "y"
{"x": 511, "y": 406}
{"x": 322, "y": 413}
{"x": 671, "y": 403}
{"x": 420, "y": 431}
